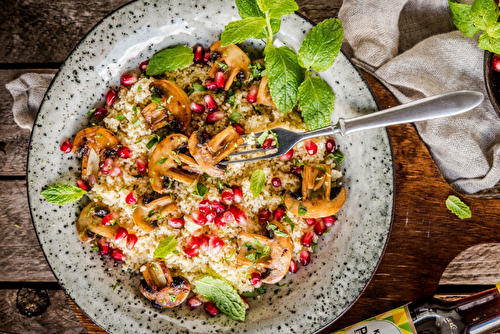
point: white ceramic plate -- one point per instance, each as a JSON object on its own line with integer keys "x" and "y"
{"x": 313, "y": 297}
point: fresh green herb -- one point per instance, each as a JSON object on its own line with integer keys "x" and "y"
{"x": 172, "y": 298}
{"x": 91, "y": 112}
{"x": 249, "y": 8}
{"x": 321, "y": 168}
{"x": 241, "y": 30}
{"x": 262, "y": 138}
{"x": 116, "y": 285}
{"x": 161, "y": 161}
{"x": 298, "y": 163}
{"x": 276, "y": 230}
{"x": 121, "y": 188}
{"x": 137, "y": 176}
{"x": 166, "y": 246}
{"x": 152, "y": 142}
{"x": 287, "y": 220}
{"x": 316, "y": 101}
{"x": 63, "y": 194}
{"x": 231, "y": 100}
{"x": 313, "y": 245}
{"x": 275, "y": 9}
{"x": 136, "y": 123}
{"x": 302, "y": 210}
{"x": 257, "y": 182}
{"x": 247, "y": 294}
{"x": 150, "y": 213}
{"x": 155, "y": 99}
{"x": 256, "y": 70}
{"x": 234, "y": 117}
{"x": 121, "y": 117}
{"x": 261, "y": 290}
{"x": 225, "y": 297}
{"x": 200, "y": 190}
{"x": 175, "y": 251}
{"x": 338, "y": 156}
{"x": 139, "y": 88}
{"x": 455, "y": 205}
{"x": 199, "y": 88}
{"x": 169, "y": 60}
{"x": 280, "y": 286}
{"x": 222, "y": 65}
{"x": 99, "y": 135}
{"x": 95, "y": 249}
{"x": 275, "y": 138}
{"x": 134, "y": 207}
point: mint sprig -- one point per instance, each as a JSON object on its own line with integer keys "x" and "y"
{"x": 257, "y": 182}
{"x": 169, "y": 60}
{"x": 455, "y": 205}
{"x": 166, "y": 246}
{"x": 63, "y": 194}
{"x": 241, "y": 30}
{"x": 482, "y": 15}
{"x": 316, "y": 101}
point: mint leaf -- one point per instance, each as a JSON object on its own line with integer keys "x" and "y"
{"x": 249, "y": 8}
{"x": 166, "y": 246}
{"x": 198, "y": 88}
{"x": 302, "y": 210}
{"x": 321, "y": 45}
{"x": 234, "y": 117}
{"x": 284, "y": 76}
{"x": 275, "y": 9}
{"x": 63, "y": 194}
{"x": 169, "y": 60}
{"x": 121, "y": 117}
{"x": 484, "y": 13}
{"x": 276, "y": 230}
{"x": 200, "y": 190}
{"x": 486, "y": 42}
{"x": 316, "y": 101}
{"x": 257, "y": 182}
{"x": 462, "y": 18}
{"x": 241, "y": 30}
{"x": 275, "y": 26}
{"x": 338, "y": 156}
{"x": 223, "y": 295}
{"x": 455, "y": 205}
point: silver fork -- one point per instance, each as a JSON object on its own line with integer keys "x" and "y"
{"x": 442, "y": 105}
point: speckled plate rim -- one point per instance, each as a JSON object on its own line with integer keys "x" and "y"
{"x": 363, "y": 79}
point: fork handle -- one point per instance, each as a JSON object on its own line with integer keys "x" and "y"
{"x": 442, "y": 105}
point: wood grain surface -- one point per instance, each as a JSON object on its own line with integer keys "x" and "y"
{"x": 37, "y": 35}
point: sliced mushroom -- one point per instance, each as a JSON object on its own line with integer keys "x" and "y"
{"x": 161, "y": 288}
{"x": 146, "y": 213}
{"x": 174, "y": 109}
{"x": 263, "y": 94}
{"x": 167, "y": 163}
{"x": 278, "y": 261}
{"x": 89, "y": 224}
{"x": 93, "y": 145}
{"x": 235, "y": 59}
{"x": 318, "y": 199}
{"x": 209, "y": 154}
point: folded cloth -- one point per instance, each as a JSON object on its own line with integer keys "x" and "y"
{"x": 28, "y": 91}
{"x": 412, "y": 47}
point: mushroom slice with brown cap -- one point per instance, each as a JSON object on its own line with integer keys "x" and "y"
{"x": 318, "y": 199}
{"x": 277, "y": 260}
{"x": 146, "y": 212}
{"x": 161, "y": 288}
{"x": 93, "y": 145}
{"x": 174, "y": 109}
{"x": 208, "y": 154}
{"x": 263, "y": 94}
{"x": 167, "y": 163}
{"x": 89, "y": 223}
{"x": 235, "y": 59}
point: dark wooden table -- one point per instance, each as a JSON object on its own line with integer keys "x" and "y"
{"x": 37, "y": 35}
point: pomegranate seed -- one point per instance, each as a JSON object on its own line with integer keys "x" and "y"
{"x": 130, "y": 199}
{"x": 128, "y": 79}
{"x": 82, "y": 184}
{"x": 206, "y": 57}
{"x": 211, "y": 216}
{"x": 307, "y": 238}
{"x": 103, "y": 246}
{"x": 267, "y": 144}
{"x": 107, "y": 166}
{"x": 215, "y": 116}
{"x": 100, "y": 113}
{"x": 252, "y": 94}
{"x": 264, "y": 215}
{"x": 211, "y": 309}
{"x": 118, "y": 255}
{"x": 131, "y": 240}
{"x": 227, "y": 196}
{"x": 238, "y": 194}
{"x": 218, "y": 207}
{"x": 205, "y": 206}
{"x": 293, "y": 267}
{"x": 276, "y": 182}
{"x": 198, "y": 53}
{"x": 92, "y": 179}
{"x": 311, "y": 146}
{"x": 297, "y": 170}
{"x": 311, "y": 221}
{"x": 279, "y": 214}
{"x": 193, "y": 302}
{"x": 194, "y": 242}
{"x": 176, "y": 223}
{"x": 110, "y": 219}
{"x": 197, "y": 108}
{"x": 287, "y": 156}
{"x": 305, "y": 258}
{"x": 66, "y": 146}
{"x": 215, "y": 245}
{"x": 330, "y": 145}
{"x": 239, "y": 216}
{"x": 239, "y": 128}
{"x": 121, "y": 234}
{"x": 220, "y": 79}
{"x": 329, "y": 221}
{"x": 142, "y": 165}
{"x": 495, "y": 63}
{"x": 124, "y": 152}
{"x": 204, "y": 242}
{"x": 227, "y": 217}
{"x": 199, "y": 218}
{"x": 245, "y": 302}
{"x": 211, "y": 85}
{"x": 320, "y": 227}
{"x": 110, "y": 97}
{"x": 219, "y": 221}
{"x": 143, "y": 66}
{"x": 191, "y": 252}
{"x": 115, "y": 172}
{"x": 256, "y": 280}
{"x": 210, "y": 103}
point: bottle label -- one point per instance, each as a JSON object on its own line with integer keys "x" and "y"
{"x": 397, "y": 321}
